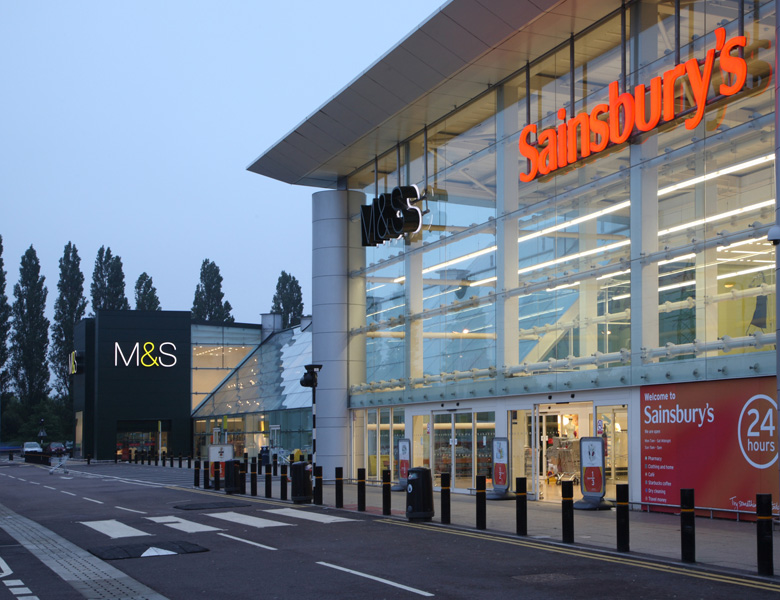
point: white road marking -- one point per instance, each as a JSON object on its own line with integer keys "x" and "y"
{"x": 5, "y": 570}
{"x": 35, "y": 483}
{"x": 183, "y": 524}
{"x": 11, "y": 582}
{"x": 18, "y": 591}
{"x": 309, "y": 516}
{"x": 140, "y": 512}
{"x": 91, "y": 500}
{"x": 68, "y": 493}
{"x": 379, "y": 579}
{"x": 48, "y": 487}
{"x": 114, "y": 529}
{"x": 238, "y": 539}
{"x": 240, "y": 519}
{"x": 156, "y": 552}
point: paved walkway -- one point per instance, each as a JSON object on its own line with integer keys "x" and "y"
{"x": 720, "y": 544}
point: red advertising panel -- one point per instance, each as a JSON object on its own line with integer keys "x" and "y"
{"x": 719, "y": 438}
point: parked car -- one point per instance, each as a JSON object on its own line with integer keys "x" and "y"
{"x": 30, "y": 447}
{"x": 55, "y": 449}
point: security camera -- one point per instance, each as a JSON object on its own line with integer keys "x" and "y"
{"x": 773, "y": 235}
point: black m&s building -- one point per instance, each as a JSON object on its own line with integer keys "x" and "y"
{"x": 132, "y": 383}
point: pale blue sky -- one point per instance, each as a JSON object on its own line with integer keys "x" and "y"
{"x": 131, "y": 124}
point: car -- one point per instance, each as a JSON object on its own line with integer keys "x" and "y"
{"x": 55, "y": 449}
{"x": 31, "y": 447}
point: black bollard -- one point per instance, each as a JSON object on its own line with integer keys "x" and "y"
{"x": 197, "y": 473}
{"x": 764, "y": 534}
{"x": 283, "y": 481}
{"x": 339, "y": 487}
{"x": 318, "y": 485}
{"x": 386, "y": 507}
{"x": 253, "y": 477}
{"x": 687, "y": 526}
{"x": 217, "y": 473}
{"x": 481, "y": 503}
{"x": 521, "y": 506}
{"x": 11, "y": 456}
{"x": 567, "y": 511}
{"x": 171, "y": 457}
{"x": 189, "y": 462}
{"x": 180, "y": 459}
{"x": 116, "y": 459}
{"x": 206, "y": 482}
{"x": 276, "y": 463}
{"x": 361, "y": 490}
{"x": 445, "y": 498}
{"x": 269, "y": 481}
{"x": 621, "y": 508}
{"x": 89, "y": 459}
{"x": 157, "y": 460}
{"x": 135, "y": 457}
{"x": 149, "y": 458}
{"x": 241, "y": 469}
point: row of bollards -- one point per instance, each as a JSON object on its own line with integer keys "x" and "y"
{"x": 764, "y": 516}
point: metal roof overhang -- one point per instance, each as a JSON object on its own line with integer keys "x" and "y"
{"x": 456, "y": 54}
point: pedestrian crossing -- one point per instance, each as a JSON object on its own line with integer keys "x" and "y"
{"x": 116, "y": 529}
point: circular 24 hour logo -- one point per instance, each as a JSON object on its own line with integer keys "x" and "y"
{"x": 756, "y": 431}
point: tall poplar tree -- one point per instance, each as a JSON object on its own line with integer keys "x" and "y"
{"x": 288, "y": 300}
{"x": 208, "y": 305}
{"x": 69, "y": 309}
{"x": 30, "y": 333}
{"x": 108, "y": 282}
{"x": 5, "y": 328}
{"x": 146, "y": 294}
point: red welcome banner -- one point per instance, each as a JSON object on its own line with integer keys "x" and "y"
{"x": 718, "y": 438}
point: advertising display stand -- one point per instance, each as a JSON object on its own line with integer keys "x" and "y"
{"x": 404, "y": 462}
{"x": 500, "y": 489}
{"x": 219, "y": 454}
{"x": 592, "y": 475}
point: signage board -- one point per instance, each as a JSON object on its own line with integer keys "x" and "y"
{"x": 717, "y": 437}
{"x": 218, "y": 455}
{"x": 592, "y": 476}
{"x": 404, "y": 458}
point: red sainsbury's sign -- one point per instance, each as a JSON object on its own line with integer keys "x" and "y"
{"x": 613, "y": 123}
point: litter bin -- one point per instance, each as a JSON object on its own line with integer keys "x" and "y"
{"x": 301, "y": 483}
{"x": 265, "y": 456}
{"x": 419, "y": 495}
{"x": 232, "y": 473}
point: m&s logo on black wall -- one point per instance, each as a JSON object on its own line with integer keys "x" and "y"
{"x": 145, "y": 354}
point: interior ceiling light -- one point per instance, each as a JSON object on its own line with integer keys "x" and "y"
{"x": 728, "y": 170}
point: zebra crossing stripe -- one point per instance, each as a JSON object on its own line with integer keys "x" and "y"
{"x": 183, "y": 524}
{"x": 308, "y": 516}
{"x": 114, "y": 529}
{"x": 248, "y": 520}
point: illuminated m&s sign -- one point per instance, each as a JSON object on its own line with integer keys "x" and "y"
{"x": 587, "y": 134}
{"x": 391, "y": 215}
{"x": 145, "y": 356}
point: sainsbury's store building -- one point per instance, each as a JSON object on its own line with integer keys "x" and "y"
{"x": 547, "y": 221}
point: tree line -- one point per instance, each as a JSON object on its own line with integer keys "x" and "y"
{"x": 29, "y": 390}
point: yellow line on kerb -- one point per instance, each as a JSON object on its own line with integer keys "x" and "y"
{"x": 623, "y": 560}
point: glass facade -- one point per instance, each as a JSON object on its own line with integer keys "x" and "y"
{"x": 592, "y": 224}
{"x": 261, "y": 403}
{"x": 646, "y": 262}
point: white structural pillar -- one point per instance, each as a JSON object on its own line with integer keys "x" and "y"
{"x": 330, "y": 338}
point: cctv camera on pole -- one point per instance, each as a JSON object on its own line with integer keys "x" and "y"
{"x": 309, "y": 380}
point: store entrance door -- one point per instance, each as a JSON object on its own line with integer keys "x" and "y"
{"x": 452, "y": 448}
{"x": 555, "y": 431}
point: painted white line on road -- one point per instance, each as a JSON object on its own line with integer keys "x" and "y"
{"x": 18, "y": 591}
{"x": 309, "y": 516}
{"x": 183, "y": 524}
{"x": 240, "y": 519}
{"x": 238, "y": 539}
{"x": 48, "y": 487}
{"x": 20, "y": 479}
{"x": 114, "y": 529}
{"x": 5, "y": 570}
{"x": 35, "y": 483}
{"x": 379, "y": 579}
{"x": 11, "y": 582}
{"x": 140, "y": 512}
{"x": 91, "y": 500}
{"x": 68, "y": 493}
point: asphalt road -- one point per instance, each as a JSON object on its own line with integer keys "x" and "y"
{"x": 186, "y": 543}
